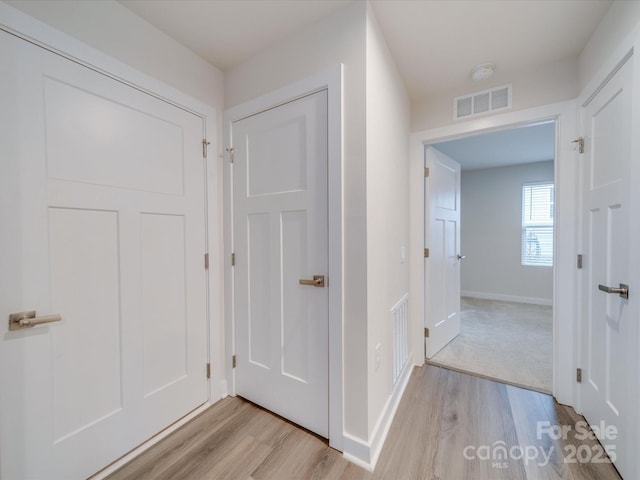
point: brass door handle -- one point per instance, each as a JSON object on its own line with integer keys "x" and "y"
{"x": 28, "y": 319}
{"x": 623, "y": 290}
{"x": 318, "y": 281}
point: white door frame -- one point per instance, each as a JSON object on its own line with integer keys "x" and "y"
{"x": 331, "y": 80}
{"x": 630, "y": 46}
{"x": 38, "y": 33}
{"x": 565, "y": 276}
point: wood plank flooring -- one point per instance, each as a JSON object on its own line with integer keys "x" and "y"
{"x": 446, "y": 424}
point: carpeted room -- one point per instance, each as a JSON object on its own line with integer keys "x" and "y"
{"x": 507, "y": 201}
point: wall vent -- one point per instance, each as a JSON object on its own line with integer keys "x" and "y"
{"x": 400, "y": 319}
{"x": 477, "y": 103}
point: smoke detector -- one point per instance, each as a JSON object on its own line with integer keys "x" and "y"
{"x": 483, "y": 71}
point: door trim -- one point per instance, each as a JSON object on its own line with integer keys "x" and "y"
{"x": 331, "y": 80}
{"x": 564, "y": 289}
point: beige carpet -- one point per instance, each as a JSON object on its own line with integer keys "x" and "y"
{"x": 506, "y": 341}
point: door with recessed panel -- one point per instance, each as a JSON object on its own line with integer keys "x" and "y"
{"x": 442, "y": 238}
{"x": 281, "y": 260}
{"x": 103, "y": 236}
{"x": 609, "y": 341}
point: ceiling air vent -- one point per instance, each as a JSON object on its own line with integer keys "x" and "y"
{"x": 482, "y": 102}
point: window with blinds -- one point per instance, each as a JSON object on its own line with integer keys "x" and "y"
{"x": 537, "y": 224}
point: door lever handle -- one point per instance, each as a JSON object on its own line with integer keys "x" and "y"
{"x": 461, "y": 257}
{"x": 28, "y": 319}
{"x": 623, "y": 290}
{"x": 318, "y": 281}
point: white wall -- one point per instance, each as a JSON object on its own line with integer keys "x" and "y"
{"x": 554, "y": 82}
{"x": 112, "y": 28}
{"x": 340, "y": 38}
{"x": 491, "y": 216}
{"x": 388, "y": 111}
{"x": 542, "y": 85}
{"x": 621, "y": 19}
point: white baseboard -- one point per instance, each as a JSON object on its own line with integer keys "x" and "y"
{"x": 357, "y": 451}
{"x": 507, "y": 298}
{"x": 365, "y": 454}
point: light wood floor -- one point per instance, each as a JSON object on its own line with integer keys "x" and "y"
{"x": 441, "y": 413}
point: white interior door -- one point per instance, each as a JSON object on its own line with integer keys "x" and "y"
{"x": 102, "y": 223}
{"x": 442, "y": 269}
{"x": 280, "y": 238}
{"x": 607, "y": 343}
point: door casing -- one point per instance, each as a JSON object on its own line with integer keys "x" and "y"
{"x": 564, "y": 290}
{"x": 331, "y": 80}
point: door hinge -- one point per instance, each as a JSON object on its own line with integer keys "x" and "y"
{"x": 233, "y": 361}
{"x": 579, "y": 375}
{"x": 426, "y": 253}
{"x": 231, "y": 151}
{"x": 205, "y": 144}
{"x": 580, "y": 142}
{"x": 426, "y": 172}
{"x": 208, "y": 370}
{"x": 233, "y": 259}
{"x": 579, "y": 262}
{"x": 426, "y": 332}
{"x": 206, "y": 261}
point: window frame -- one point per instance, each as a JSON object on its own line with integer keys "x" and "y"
{"x": 545, "y": 226}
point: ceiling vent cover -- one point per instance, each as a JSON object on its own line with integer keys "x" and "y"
{"x": 477, "y": 103}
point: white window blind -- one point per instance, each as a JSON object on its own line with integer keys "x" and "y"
{"x": 537, "y": 224}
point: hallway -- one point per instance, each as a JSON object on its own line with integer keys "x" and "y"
{"x": 446, "y": 425}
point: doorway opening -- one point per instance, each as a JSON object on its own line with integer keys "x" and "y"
{"x": 506, "y": 255}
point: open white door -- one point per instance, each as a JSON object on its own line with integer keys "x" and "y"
{"x": 280, "y": 236}
{"x": 609, "y": 341}
{"x": 442, "y": 238}
{"x": 102, "y": 223}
